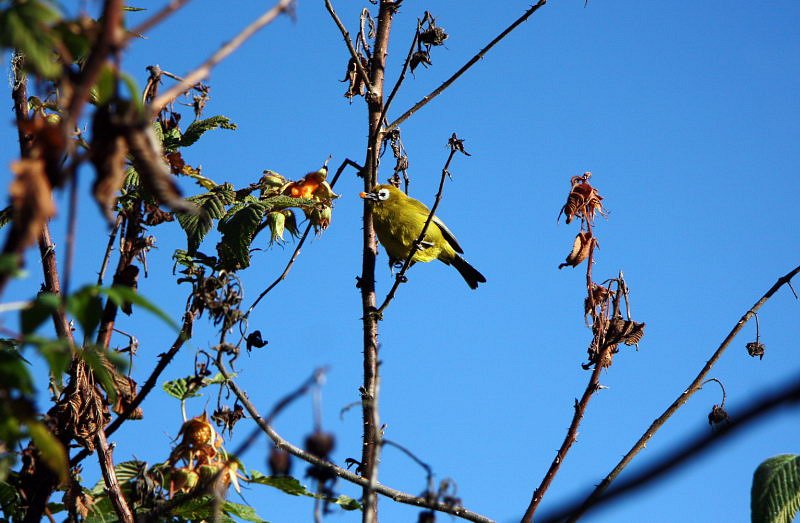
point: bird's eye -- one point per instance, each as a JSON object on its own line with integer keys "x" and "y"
{"x": 383, "y": 194}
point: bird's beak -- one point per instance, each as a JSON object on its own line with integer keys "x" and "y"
{"x": 371, "y": 196}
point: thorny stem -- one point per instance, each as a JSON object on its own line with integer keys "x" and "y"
{"x": 223, "y": 52}
{"x": 72, "y": 223}
{"x": 693, "y": 387}
{"x": 112, "y": 236}
{"x": 436, "y": 92}
{"x": 110, "y": 477}
{"x": 572, "y": 435}
{"x": 281, "y": 443}
{"x": 786, "y": 395}
{"x": 407, "y": 263}
{"x": 353, "y": 54}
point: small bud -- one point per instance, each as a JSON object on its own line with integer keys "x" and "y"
{"x": 276, "y": 221}
{"x": 756, "y": 348}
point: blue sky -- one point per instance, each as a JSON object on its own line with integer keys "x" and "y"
{"x": 687, "y": 114}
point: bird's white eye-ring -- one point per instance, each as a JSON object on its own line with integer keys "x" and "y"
{"x": 383, "y": 194}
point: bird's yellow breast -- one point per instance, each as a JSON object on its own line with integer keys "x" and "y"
{"x": 399, "y": 226}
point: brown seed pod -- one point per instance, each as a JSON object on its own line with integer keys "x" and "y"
{"x": 280, "y": 462}
{"x": 320, "y": 444}
{"x": 433, "y": 36}
{"x": 717, "y": 415}
{"x": 198, "y": 432}
{"x": 756, "y": 348}
{"x": 581, "y": 247}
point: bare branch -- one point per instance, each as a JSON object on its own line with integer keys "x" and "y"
{"x": 349, "y": 43}
{"x": 436, "y": 92}
{"x": 157, "y": 17}
{"x": 693, "y": 387}
{"x": 396, "y": 495}
{"x": 223, "y": 52}
{"x": 112, "y": 236}
{"x": 787, "y": 395}
{"x": 110, "y": 477}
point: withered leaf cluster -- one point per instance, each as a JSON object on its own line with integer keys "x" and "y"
{"x": 81, "y": 411}
{"x": 355, "y": 82}
{"x": 429, "y": 35}
{"x": 583, "y": 200}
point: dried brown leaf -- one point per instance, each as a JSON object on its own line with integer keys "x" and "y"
{"x": 581, "y": 248}
{"x": 31, "y": 201}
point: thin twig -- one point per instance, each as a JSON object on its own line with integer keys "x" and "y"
{"x": 157, "y": 17}
{"x": 300, "y": 243}
{"x": 400, "y": 278}
{"x": 766, "y": 404}
{"x": 436, "y": 92}
{"x": 693, "y": 387}
{"x": 72, "y": 223}
{"x": 110, "y": 477}
{"x": 223, "y": 52}
{"x": 401, "y": 77}
{"x": 572, "y": 435}
{"x": 349, "y": 43}
{"x": 112, "y": 236}
{"x": 396, "y": 495}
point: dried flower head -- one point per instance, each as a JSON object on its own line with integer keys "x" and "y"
{"x": 756, "y": 348}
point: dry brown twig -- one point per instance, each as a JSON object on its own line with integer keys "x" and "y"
{"x": 202, "y": 71}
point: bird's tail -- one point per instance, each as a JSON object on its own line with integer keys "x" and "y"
{"x": 468, "y": 272}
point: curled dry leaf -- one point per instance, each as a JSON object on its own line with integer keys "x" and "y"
{"x": 583, "y": 199}
{"x": 107, "y": 153}
{"x": 48, "y": 143}
{"x": 154, "y": 172}
{"x": 31, "y": 202}
{"x": 600, "y": 296}
{"x": 581, "y": 248}
{"x": 81, "y": 412}
{"x": 624, "y": 331}
{"x": 356, "y": 85}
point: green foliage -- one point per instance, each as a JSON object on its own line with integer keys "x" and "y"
{"x": 10, "y": 502}
{"x": 189, "y": 387}
{"x": 103, "y": 363}
{"x": 26, "y": 26}
{"x": 197, "y": 128}
{"x": 238, "y": 228}
{"x": 120, "y": 294}
{"x": 42, "y": 308}
{"x": 86, "y": 306}
{"x": 212, "y": 207}
{"x": 293, "y": 487}
{"x": 202, "y": 508}
{"x": 5, "y": 216}
{"x": 775, "y": 494}
{"x": 51, "y": 451}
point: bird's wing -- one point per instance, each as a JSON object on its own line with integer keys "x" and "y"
{"x": 422, "y": 209}
{"x": 449, "y": 236}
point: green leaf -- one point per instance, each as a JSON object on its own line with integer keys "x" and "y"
{"x": 9, "y": 264}
{"x": 199, "y": 508}
{"x": 171, "y": 140}
{"x": 197, "y": 128}
{"x": 14, "y": 373}
{"x": 212, "y": 207}
{"x": 347, "y": 503}
{"x": 180, "y": 389}
{"x": 244, "y": 512}
{"x": 40, "y": 310}
{"x": 87, "y": 308}
{"x": 57, "y": 353}
{"x": 287, "y": 484}
{"x": 51, "y": 450}
{"x": 120, "y": 294}
{"x": 775, "y": 494}
{"x": 25, "y": 26}
{"x": 10, "y": 501}
{"x": 105, "y": 87}
{"x": 97, "y": 358}
{"x": 238, "y": 228}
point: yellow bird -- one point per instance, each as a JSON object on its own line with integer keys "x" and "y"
{"x": 399, "y": 220}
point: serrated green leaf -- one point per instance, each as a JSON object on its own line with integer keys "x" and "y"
{"x": 244, "y": 512}
{"x": 775, "y": 494}
{"x": 238, "y": 228}
{"x": 120, "y": 294}
{"x": 212, "y": 207}
{"x": 9, "y": 264}
{"x": 293, "y": 487}
{"x": 199, "y": 508}
{"x": 50, "y": 449}
{"x": 106, "y": 86}
{"x": 347, "y": 503}
{"x": 179, "y": 389}
{"x": 197, "y": 128}
{"x": 40, "y": 310}
{"x": 171, "y": 140}
{"x": 87, "y": 308}
{"x": 57, "y": 353}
